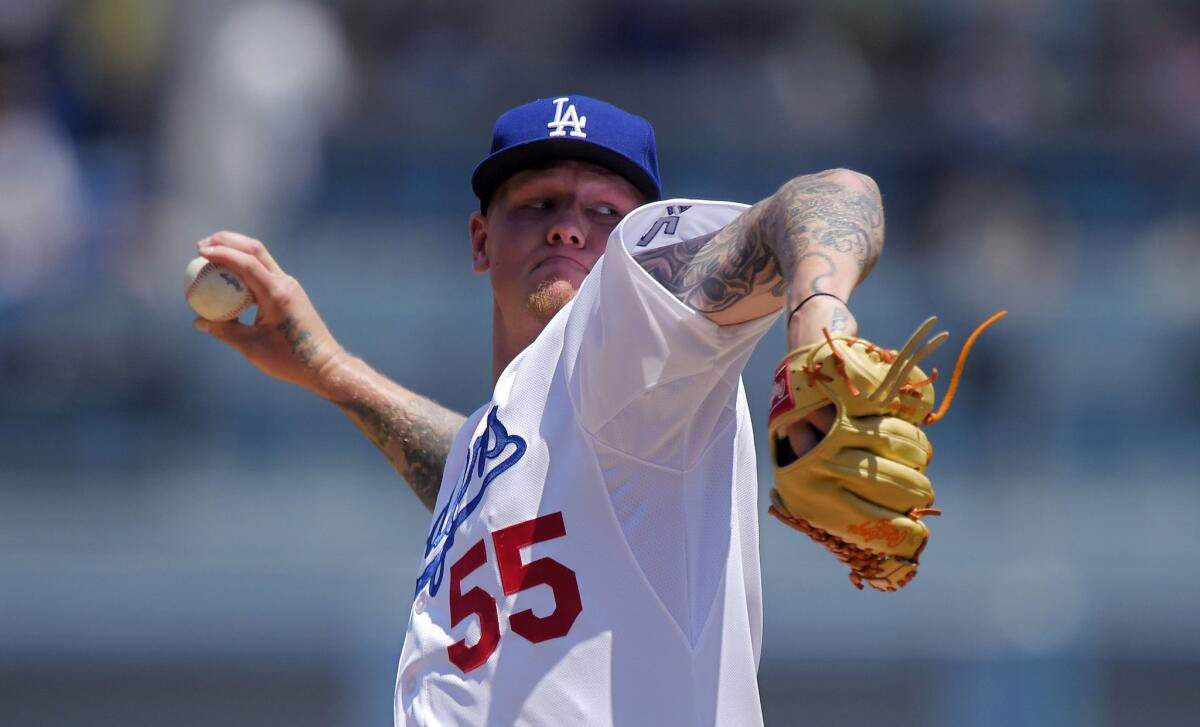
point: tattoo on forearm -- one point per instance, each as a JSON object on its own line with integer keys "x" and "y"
{"x": 416, "y": 439}
{"x": 299, "y": 340}
{"x": 812, "y": 210}
{"x": 840, "y": 323}
{"x": 811, "y": 218}
{"x": 815, "y": 284}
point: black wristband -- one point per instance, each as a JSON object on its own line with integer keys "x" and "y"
{"x": 814, "y": 295}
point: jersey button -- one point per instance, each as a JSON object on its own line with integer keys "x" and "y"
{"x": 419, "y": 604}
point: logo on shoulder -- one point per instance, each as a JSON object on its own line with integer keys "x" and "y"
{"x": 570, "y": 118}
{"x": 666, "y": 225}
{"x": 491, "y": 454}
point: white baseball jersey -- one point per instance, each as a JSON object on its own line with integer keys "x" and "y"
{"x": 593, "y": 557}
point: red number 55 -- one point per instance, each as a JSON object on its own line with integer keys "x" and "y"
{"x": 515, "y": 576}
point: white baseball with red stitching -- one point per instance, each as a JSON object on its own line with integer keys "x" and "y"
{"x": 215, "y": 291}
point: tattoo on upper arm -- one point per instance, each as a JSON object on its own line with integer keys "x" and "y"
{"x": 713, "y": 272}
{"x": 424, "y": 439}
{"x": 811, "y": 218}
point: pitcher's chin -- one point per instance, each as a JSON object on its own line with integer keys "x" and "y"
{"x": 550, "y": 296}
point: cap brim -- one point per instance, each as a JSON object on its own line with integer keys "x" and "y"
{"x": 497, "y": 168}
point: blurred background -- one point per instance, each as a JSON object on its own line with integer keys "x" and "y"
{"x": 185, "y": 542}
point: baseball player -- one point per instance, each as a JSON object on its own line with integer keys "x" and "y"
{"x": 592, "y": 557}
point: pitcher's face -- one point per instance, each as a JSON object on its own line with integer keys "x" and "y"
{"x": 544, "y": 230}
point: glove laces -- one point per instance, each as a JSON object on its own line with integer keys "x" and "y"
{"x": 903, "y": 362}
{"x": 934, "y": 417}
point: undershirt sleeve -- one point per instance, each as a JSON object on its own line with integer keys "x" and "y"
{"x": 650, "y": 376}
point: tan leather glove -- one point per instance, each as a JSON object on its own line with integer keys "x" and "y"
{"x": 862, "y": 491}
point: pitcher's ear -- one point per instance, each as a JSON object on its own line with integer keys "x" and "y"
{"x": 478, "y": 229}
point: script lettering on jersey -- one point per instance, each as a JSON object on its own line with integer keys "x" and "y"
{"x": 570, "y": 118}
{"x": 494, "y": 447}
{"x": 666, "y": 224}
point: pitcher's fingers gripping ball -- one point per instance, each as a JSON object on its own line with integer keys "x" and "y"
{"x": 214, "y": 291}
{"x": 862, "y": 491}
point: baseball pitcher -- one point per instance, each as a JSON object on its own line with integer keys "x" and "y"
{"x": 593, "y": 552}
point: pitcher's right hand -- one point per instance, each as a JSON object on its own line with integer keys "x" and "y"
{"x": 288, "y": 340}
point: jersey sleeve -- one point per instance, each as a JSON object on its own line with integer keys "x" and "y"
{"x": 650, "y": 376}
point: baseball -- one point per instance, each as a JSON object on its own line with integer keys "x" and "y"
{"x": 215, "y": 291}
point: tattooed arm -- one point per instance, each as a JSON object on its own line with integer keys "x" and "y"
{"x": 413, "y": 432}
{"x": 289, "y": 341}
{"x": 820, "y": 233}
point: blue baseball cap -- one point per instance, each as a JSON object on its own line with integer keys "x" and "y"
{"x": 569, "y": 127}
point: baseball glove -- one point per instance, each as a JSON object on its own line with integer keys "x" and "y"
{"x": 862, "y": 491}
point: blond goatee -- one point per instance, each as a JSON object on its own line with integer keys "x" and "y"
{"x": 549, "y": 298}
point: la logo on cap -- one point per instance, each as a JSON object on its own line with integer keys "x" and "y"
{"x": 570, "y": 118}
